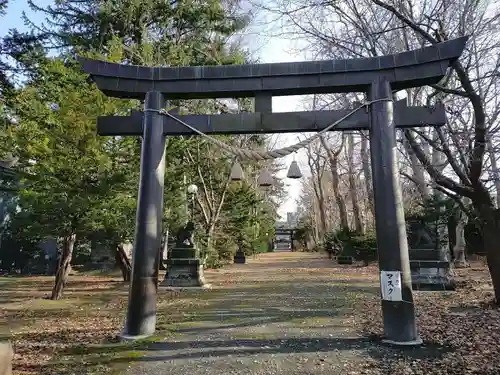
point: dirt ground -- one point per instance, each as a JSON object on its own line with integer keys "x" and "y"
{"x": 281, "y": 313}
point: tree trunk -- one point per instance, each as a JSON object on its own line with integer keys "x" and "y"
{"x": 495, "y": 172}
{"x": 210, "y": 237}
{"x": 315, "y": 222}
{"x": 64, "y": 266}
{"x": 123, "y": 262}
{"x": 356, "y": 211}
{"x": 339, "y": 199}
{"x": 490, "y": 226}
{"x": 418, "y": 175}
{"x": 317, "y": 183}
{"x": 321, "y": 204}
{"x": 365, "y": 162}
{"x": 209, "y": 241}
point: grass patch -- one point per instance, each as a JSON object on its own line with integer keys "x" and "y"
{"x": 76, "y": 334}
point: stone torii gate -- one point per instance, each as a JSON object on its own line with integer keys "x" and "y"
{"x": 378, "y": 77}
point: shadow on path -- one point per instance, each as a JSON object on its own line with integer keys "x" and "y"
{"x": 285, "y": 313}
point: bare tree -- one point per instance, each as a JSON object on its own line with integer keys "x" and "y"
{"x": 307, "y": 210}
{"x": 334, "y": 170}
{"x": 317, "y": 165}
{"x": 360, "y": 28}
{"x": 367, "y": 172}
{"x": 356, "y": 211}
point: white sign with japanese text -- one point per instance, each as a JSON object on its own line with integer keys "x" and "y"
{"x": 390, "y": 284}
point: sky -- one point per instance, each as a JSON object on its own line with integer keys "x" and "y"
{"x": 267, "y": 49}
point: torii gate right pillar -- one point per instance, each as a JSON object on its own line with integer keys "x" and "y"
{"x": 398, "y": 313}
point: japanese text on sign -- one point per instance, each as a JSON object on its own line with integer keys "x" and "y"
{"x": 390, "y": 284}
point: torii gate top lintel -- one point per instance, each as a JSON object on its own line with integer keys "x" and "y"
{"x": 403, "y": 70}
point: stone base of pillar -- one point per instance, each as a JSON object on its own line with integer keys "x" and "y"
{"x": 6, "y": 355}
{"x": 184, "y": 269}
{"x": 417, "y": 342}
{"x": 240, "y": 257}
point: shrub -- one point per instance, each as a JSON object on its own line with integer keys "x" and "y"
{"x": 360, "y": 247}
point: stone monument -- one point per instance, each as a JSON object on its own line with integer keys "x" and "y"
{"x": 239, "y": 256}
{"x": 429, "y": 255}
{"x": 184, "y": 265}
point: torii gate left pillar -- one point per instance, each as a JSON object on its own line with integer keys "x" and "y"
{"x": 141, "y": 314}
{"x": 377, "y": 77}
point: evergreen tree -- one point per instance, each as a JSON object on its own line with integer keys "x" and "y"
{"x": 75, "y": 184}
{"x": 188, "y": 32}
{"x": 66, "y": 172}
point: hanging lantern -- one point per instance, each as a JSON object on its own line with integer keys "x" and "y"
{"x": 236, "y": 172}
{"x": 265, "y": 179}
{"x": 294, "y": 171}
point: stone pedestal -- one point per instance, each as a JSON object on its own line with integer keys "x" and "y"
{"x": 184, "y": 269}
{"x": 240, "y": 257}
{"x": 103, "y": 258}
{"x": 429, "y": 255}
{"x": 430, "y": 270}
{"x": 342, "y": 259}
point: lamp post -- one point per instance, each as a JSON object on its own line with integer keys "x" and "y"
{"x": 184, "y": 266}
{"x": 192, "y": 190}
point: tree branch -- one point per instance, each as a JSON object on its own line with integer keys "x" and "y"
{"x": 453, "y": 162}
{"x": 476, "y": 163}
{"x": 451, "y": 91}
{"x": 438, "y": 177}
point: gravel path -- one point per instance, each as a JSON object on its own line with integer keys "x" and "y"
{"x": 281, "y": 313}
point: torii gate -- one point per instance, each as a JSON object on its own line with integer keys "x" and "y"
{"x": 377, "y": 77}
